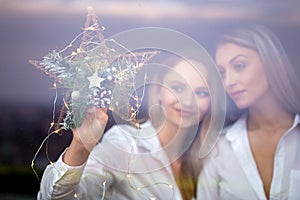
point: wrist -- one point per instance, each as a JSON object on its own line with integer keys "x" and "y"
{"x": 76, "y": 154}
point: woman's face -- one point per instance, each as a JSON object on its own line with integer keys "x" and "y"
{"x": 184, "y": 95}
{"x": 243, "y": 74}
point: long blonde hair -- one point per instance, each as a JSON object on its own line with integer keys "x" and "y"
{"x": 191, "y": 164}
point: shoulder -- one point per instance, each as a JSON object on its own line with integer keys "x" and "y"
{"x": 123, "y": 131}
{"x": 116, "y": 147}
{"x": 123, "y": 135}
{"x": 230, "y": 134}
{"x": 233, "y": 131}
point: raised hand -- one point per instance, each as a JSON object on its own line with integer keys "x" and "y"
{"x": 86, "y": 136}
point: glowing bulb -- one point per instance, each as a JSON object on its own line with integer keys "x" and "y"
{"x": 137, "y": 125}
{"x": 75, "y": 195}
{"x": 171, "y": 186}
{"x": 54, "y": 85}
{"x": 138, "y": 189}
{"x": 90, "y": 28}
{"x": 66, "y": 105}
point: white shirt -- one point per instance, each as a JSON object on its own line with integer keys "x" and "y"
{"x": 120, "y": 167}
{"x": 231, "y": 173}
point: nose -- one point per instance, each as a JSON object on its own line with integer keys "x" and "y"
{"x": 188, "y": 99}
{"x": 229, "y": 80}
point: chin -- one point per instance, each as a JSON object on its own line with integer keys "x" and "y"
{"x": 186, "y": 123}
{"x": 241, "y": 105}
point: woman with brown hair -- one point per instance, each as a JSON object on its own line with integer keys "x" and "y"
{"x": 259, "y": 155}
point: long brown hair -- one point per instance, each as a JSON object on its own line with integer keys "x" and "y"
{"x": 280, "y": 74}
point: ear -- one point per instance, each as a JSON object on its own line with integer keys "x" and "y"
{"x": 158, "y": 92}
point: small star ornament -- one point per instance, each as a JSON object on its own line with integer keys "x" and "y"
{"x": 95, "y": 80}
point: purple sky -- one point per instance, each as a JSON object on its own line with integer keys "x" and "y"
{"x": 30, "y": 29}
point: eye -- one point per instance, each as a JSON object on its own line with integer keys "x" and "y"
{"x": 222, "y": 73}
{"x": 177, "y": 88}
{"x": 239, "y": 66}
{"x": 202, "y": 93}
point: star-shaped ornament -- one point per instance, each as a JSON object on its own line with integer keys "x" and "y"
{"x": 95, "y": 80}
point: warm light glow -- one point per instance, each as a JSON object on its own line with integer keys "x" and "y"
{"x": 66, "y": 105}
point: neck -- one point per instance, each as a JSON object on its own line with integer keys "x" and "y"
{"x": 172, "y": 138}
{"x": 167, "y": 133}
{"x": 269, "y": 115}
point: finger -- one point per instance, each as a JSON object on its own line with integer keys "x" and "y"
{"x": 104, "y": 109}
{"x": 102, "y": 115}
{"x": 92, "y": 110}
{"x": 95, "y": 110}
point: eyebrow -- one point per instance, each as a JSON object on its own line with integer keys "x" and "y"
{"x": 235, "y": 57}
{"x": 203, "y": 88}
{"x": 184, "y": 84}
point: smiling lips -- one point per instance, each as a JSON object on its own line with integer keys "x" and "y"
{"x": 185, "y": 113}
{"x": 236, "y": 94}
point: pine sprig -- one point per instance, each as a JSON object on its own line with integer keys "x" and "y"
{"x": 115, "y": 72}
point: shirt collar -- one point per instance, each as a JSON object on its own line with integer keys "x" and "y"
{"x": 149, "y": 139}
{"x": 296, "y": 121}
{"x": 237, "y": 128}
{"x": 240, "y": 126}
{"x": 152, "y": 144}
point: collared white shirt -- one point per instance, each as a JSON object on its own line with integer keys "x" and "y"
{"x": 127, "y": 164}
{"x": 230, "y": 172}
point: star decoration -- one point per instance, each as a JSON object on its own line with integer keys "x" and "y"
{"x": 95, "y": 80}
{"x": 72, "y": 66}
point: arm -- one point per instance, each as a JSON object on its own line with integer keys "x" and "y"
{"x": 63, "y": 179}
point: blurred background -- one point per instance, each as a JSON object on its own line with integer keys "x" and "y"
{"x": 30, "y": 29}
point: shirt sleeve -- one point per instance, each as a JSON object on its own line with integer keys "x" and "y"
{"x": 61, "y": 181}
{"x": 208, "y": 181}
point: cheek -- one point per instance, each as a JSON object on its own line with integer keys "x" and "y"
{"x": 167, "y": 97}
{"x": 257, "y": 82}
{"x": 203, "y": 106}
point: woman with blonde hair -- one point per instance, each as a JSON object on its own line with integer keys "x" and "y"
{"x": 160, "y": 159}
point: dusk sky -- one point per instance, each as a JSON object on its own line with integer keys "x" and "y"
{"x": 30, "y": 29}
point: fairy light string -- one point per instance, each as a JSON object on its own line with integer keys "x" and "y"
{"x": 46, "y": 139}
{"x": 129, "y": 176}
